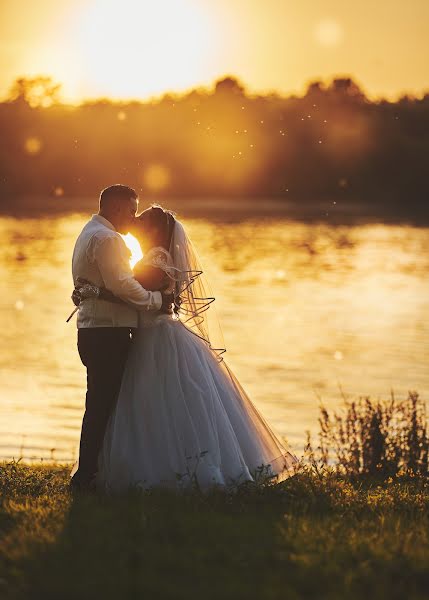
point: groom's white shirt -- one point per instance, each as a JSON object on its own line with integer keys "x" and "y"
{"x": 101, "y": 256}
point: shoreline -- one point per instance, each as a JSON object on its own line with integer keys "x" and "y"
{"x": 232, "y": 209}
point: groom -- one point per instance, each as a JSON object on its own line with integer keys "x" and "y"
{"x": 105, "y": 328}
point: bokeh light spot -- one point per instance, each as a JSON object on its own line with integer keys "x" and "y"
{"x": 58, "y": 191}
{"x": 156, "y": 177}
{"x": 33, "y": 145}
{"x": 329, "y": 32}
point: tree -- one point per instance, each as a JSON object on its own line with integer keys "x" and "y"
{"x": 346, "y": 87}
{"x": 35, "y": 91}
{"x": 229, "y": 85}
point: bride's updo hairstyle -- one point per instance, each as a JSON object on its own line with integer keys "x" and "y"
{"x": 155, "y": 227}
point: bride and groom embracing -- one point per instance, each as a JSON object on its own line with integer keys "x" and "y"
{"x": 162, "y": 407}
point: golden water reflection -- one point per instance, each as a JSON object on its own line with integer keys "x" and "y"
{"x": 306, "y": 310}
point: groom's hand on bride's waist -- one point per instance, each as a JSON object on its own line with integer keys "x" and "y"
{"x": 167, "y": 303}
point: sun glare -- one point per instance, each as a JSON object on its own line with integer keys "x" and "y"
{"x": 134, "y": 247}
{"x": 141, "y": 47}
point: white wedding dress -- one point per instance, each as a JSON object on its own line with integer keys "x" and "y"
{"x": 182, "y": 420}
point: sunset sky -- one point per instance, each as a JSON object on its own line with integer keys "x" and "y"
{"x": 138, "y": 48}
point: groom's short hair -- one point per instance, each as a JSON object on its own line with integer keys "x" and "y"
{"x": 115, "y": 193}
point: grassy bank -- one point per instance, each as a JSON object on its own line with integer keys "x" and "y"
{"x": 317, "y": 535}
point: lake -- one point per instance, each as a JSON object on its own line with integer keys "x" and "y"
{"x": 310, "y": 312}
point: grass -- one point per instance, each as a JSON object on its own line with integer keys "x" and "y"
{"x": 317, "y": 535}
{"x": 375, "y": 437}
{"x": 353, "y": 531}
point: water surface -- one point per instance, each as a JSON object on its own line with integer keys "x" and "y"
{"x": 309, "y": 312}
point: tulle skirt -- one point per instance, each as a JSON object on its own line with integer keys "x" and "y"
{"x": 182, "y": 420}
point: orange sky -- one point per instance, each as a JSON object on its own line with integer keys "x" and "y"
{"x": 139, "y": 48}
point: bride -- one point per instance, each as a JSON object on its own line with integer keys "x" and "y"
{"x": 182, "y": 419}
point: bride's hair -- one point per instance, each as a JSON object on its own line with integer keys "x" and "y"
{"x": 157, "y": 225}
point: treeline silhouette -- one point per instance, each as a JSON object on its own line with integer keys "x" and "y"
{"x": 332, "y": 144}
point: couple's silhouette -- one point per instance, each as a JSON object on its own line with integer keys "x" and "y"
{"x": 162, "y": 407}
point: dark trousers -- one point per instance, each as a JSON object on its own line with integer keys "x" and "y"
{"x": 103, "y": 351}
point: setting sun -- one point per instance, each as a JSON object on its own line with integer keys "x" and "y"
{"x": 161, "y": 45}
{"x": 137, "y": 49}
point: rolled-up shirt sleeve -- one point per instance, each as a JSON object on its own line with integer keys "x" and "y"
{"x": 112, "y": 258}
